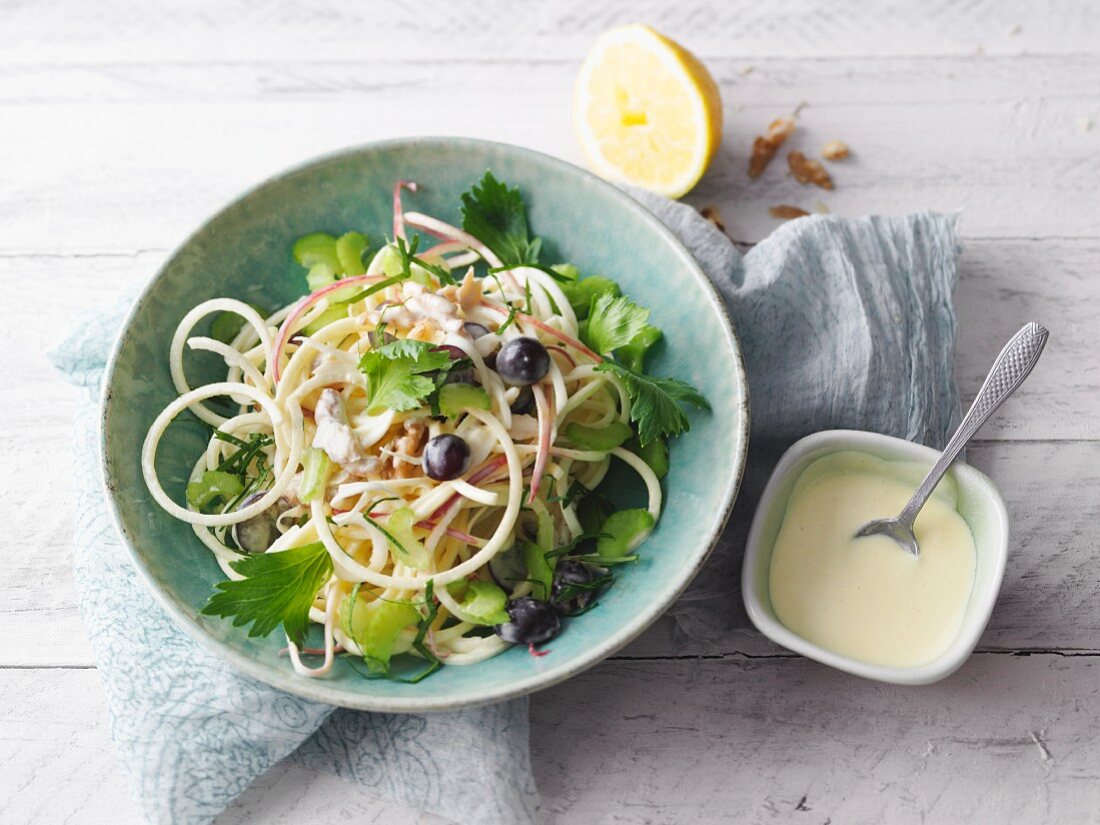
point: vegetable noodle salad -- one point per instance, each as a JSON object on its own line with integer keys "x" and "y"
{"x": 409, "y": 456}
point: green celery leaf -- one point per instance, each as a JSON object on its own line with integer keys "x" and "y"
{"x": 395, "y": 374}
{"x": 278, "y": 588}
{"x": 584, "y": 293}
{"x": 614, "y": 322}
{"x": 497, "y": 216}
{"x": 655, "y": 402}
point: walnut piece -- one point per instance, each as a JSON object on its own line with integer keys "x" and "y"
{"x": 780, "y": 129}
{"x": 835, "y": 150}
{"x": 808, "y": 171}
{"x": 786, "y": 213}
{"x": 764, "y": 148}
{"x": 712, "y": 214}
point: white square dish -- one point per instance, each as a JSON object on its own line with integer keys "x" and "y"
{"x": 980, "y": 504}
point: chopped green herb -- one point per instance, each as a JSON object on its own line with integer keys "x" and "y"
{"x": 593, "y": 511}
{"x": 430, "y": 609}
{"x": 278, "y": 588}
{"x": 373, "y": 288}
{"x": 509, "y": 320}
{"x": 575, "y": 491}
{"x": 250, "y": 450}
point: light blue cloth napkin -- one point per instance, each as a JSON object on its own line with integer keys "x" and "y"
{"x": 844, "y": 323}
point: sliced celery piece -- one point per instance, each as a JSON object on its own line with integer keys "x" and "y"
{"x": 212, "y": 485}
{"x": 601, "y": 439}
{"x": 620, "y": 529}
{"x": 226, "y": 325}
{"x": 333, "y": 313}
{"x": 374, "y": 626}
{"x": 408, "y": 547}
{"x": 454, "y": 398}
{"x": 479, "y": 602}
{"x": 315, "y": 471}
{"x": 318, "y": 248}
{"x": 349, "y": 251}
{"x": 655, "y": 454}
{"x": 320, "y": 275}
{"x": 540, "y": 572}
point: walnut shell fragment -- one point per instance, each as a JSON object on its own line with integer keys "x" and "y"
{"x": 786, "y": 213}
{"x": 808, "y": 171}
{"x": 764, "y": 148}
{"x": 835, "y": 150}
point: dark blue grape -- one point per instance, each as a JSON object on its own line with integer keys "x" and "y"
{"x": 522, "y": 361}
{"x": 524, "y": 403}
{"x": 475, "y": 330}
{"x": 446, "y": 457}
{"x": 256, "y": 534}
{"x": 568, "y": 594}
{"x": 532, "y": 622}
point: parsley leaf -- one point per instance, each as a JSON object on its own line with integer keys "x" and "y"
{"x": 395, "y": 374}
{"x": 278, "y": 588}
{"x": 613, "y": 322}
{"x": 497, "y": 216}
{"x": 655, "y": 402}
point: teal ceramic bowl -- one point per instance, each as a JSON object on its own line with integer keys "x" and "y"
{"x": 243, "y": 252}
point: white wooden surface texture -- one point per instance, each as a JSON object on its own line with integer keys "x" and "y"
{"x": 123, "y": 124}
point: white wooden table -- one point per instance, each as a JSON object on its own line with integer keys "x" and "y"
{"x": 123, "y": 124}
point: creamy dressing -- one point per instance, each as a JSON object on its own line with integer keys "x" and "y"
{"x": 867, "y": 598}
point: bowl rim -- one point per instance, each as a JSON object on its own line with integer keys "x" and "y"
{"x": 317, "y": 689}
{"x": 982, "y": 602}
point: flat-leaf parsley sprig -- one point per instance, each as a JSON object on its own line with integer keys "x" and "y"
{"x": 616, "y": 322}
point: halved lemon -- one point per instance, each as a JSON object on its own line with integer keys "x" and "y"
{"x": 647, "y": 112}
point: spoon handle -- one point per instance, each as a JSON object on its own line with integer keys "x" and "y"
{"x": 1012, "y": 366}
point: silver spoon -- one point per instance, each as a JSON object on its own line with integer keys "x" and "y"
{"x": 1010, "y": 369}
